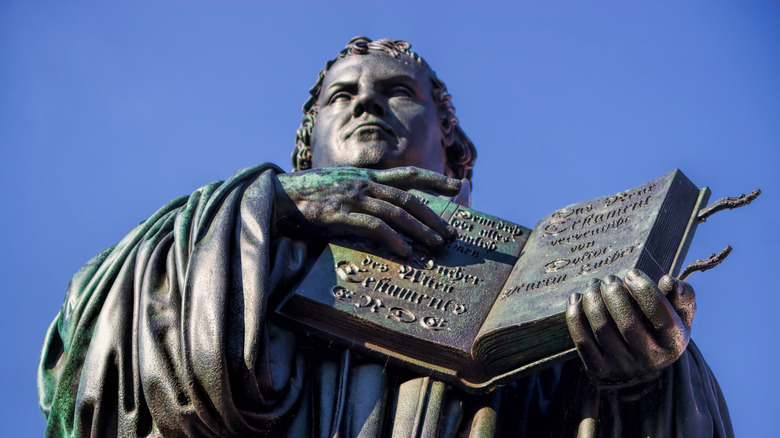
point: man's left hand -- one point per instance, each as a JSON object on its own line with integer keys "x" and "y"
{"x": 627, "y": 330}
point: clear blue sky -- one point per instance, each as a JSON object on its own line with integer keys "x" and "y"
{"x": 109, "y": 111}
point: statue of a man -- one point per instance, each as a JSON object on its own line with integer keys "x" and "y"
{"x": 171, "y": 333}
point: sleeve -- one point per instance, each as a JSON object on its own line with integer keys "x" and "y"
{"x": 684, "y": 401}
{"x": 165, "y": 333}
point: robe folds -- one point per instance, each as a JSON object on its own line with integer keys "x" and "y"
{"x": 170, "y": 333}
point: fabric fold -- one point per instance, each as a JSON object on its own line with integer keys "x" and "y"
{"x": 171, "y": 333}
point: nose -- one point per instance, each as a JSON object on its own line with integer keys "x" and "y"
{"x": 368, "y": 101}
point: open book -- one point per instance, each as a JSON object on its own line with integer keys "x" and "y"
{"x": 490, "y": 306}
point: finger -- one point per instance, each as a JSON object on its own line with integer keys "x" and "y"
{"x": 369, "y": 227}
{"x": 583, "y": 337}
{"x": 681, "y": 296}
{"x": 464, "y": 196}
{"x": 401, "y": 221}
{"x": 641, "y": 340}
{"x": 668, "y": 332}
{"x": 610, "y": 342}
{"x": 415, "y": 207}
{"x": 624, "y": 311}
{"x": 654, "y": 305}
{"x": 415, "y": 178}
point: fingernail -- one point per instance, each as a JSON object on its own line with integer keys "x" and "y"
{"x": 609, "y": 279}
{"x": 438, "y": 240}
{"x": 575, "y": 298}
{"x": 666, "y": 284}
{"x": 406, "y": 250}
{"x": 452, "y": 231}
{"x": 632, "y": 274}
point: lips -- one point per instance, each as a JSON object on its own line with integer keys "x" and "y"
{"x": 372, "y": 124}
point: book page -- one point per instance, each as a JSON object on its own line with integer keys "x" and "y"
{"x": 440, "y": 297}
{"x": 604, "y": 236}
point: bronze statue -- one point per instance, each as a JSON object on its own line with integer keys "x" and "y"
{"x": 170, "y": 333}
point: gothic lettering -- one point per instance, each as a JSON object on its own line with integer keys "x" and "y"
{"x": 432, "y": 323}
{"x": 608, "y": 260}
{"x": 525, "y": 287}
{"x": 373, "y": 304}
{"x": 401, "y": 315}
{"x": 341, "y": 293}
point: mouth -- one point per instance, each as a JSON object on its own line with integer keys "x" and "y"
{"x": 370, "y": 126}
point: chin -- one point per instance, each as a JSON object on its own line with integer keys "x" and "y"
{"x": 377, "y": 156}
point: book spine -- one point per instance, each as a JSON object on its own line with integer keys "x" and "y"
{"x": 693, "y": 222}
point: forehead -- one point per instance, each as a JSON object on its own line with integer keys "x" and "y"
{"x": 377, "y": 67}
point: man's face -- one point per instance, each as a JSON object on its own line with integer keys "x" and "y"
{"x": 377, "y": 111}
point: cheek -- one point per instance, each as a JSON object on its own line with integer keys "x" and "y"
{"x": 425, "y": 126}
{"x": 417, "y": 119}
{"x": 320, "y": 145}
{"x": 321, "y": 128}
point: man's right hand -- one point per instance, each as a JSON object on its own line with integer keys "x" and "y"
{"x": 364, "y": 203}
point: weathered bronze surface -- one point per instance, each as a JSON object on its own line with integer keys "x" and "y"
{"x": 705, "y": 264}
{"x": 171, "y": 333}
{"x": 461, "y": 314}
{"x": 728, "y": 203}
{"x": 435, "y": 301}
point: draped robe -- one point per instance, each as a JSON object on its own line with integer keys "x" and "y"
{"x": 170, "y": 333}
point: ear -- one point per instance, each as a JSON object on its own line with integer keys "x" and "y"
{"x": 464, "y": 197}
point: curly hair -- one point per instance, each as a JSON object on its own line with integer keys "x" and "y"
{"x": 460, "y": 152}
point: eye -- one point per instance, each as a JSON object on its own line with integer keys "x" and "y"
{"x": 341, "y": 96}
{"x": 401, "y": 91}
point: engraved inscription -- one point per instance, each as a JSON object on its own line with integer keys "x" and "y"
{"x": 432, "y": 323}
{"x": 386, "y": 287}
{"x": 581, "y": 246}
{"x": 525, "y": 287}
{"x": 399, "y": 314}
{"x": 480, "y": 234}
{"x": 420, "y": 276}
{"x": 381, "y": 267}
{"x": 430, "y": 279}
{"x": 558, "y": 264}
{"x": 608, "y": 260}
{"x": 585, "y": 238}
{"x": 556, "y": 228}
{"x": 342, "y": 293}
{"x": 498, "y": 225}
{"x": 575, "y": 224}
{"x": 565, "y": 220}
{"x": 369, "y": 302}
{"x": 347, "y": 271}
{"x": 434, "y": 291}
{"x": 623, "y": 197}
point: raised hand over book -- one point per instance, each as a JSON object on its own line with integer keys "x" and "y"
{"x": 491, "y": 305}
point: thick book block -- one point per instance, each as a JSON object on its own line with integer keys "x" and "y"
{"x": 489, "y": 307}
